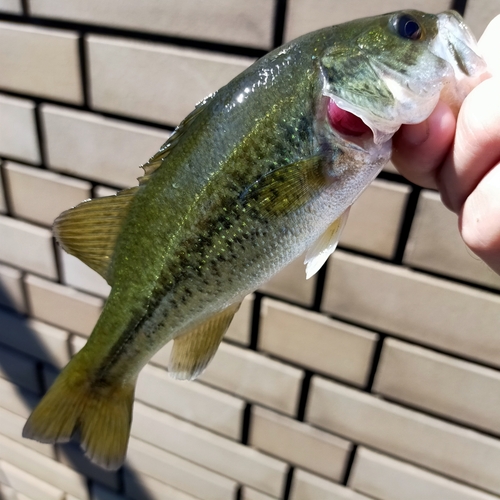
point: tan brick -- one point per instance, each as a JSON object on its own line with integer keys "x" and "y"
{"x": 11, "y": 426}
{"x": 457, "y": 389}
{"x": 12, "y": 6}
{"x": 49, "y": 58}
{"x": 11, "y": 289}
{"x": 140, "y": 486}
{"x": 18, "y": 368}
{"x": 375, "y": 219}
{"x": 478, "y": 13}
{"x": 316, "y": 342}
{"x": 255, "y": 377}
{"x": 39, "y": 195}
{"x": 166, "y": 82}
{"x": 251, "y": 494}
{"x": 191, "y": 401}
{"x": 308, "y": 15}
{"x": 226, "y": 21}
{"x": 18, "y": 136}
{"x": 291, "y": 284}
{"x": 234, "y": 460}
{"x": 299, "y": 443}
{"x": 63, "y": 306}
{"x": 439, "y": 446}
{"x": 44, "y": 468}
{"x": 16, "y": 399}
{"x": 27, "y": 246}
{"x": 72, "y": 455}
{"x": 415, "y": 306}
{"x": 78, "y": 275}
{"x": 239, "y": 329}
{"x": 179, "y": 473}
{"x": 97, "y": 148}
{"x": 306, "y": 486}
{"x": 379, "y": 476}
{"x": 29, "y": 485}
{"x": 35, "y": 338}
{"x": 435, "y": 244}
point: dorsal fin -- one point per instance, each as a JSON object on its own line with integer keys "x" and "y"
{"x": 89, "y": 230}
{"x": 155, "y": 161}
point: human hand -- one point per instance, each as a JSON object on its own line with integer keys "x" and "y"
{"x": 461, "y": 157}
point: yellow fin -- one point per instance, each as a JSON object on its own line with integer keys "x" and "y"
{"x": 193, "y": 351}
{"x": 89, "y": 230}
{"x": 324, "y": 246}
{"x": 100, "y": 415}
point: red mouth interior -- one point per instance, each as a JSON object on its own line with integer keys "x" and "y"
{"x": 345, "y": 122}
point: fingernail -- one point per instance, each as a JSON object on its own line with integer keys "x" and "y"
{"x": 417, "y": 134}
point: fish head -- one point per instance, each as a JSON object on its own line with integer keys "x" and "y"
{"x": 392, "y": 69}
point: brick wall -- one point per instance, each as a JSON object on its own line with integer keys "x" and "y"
{"x": 377, "y": 379}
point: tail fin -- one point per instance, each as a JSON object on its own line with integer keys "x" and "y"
{"x": 100, "y": 415}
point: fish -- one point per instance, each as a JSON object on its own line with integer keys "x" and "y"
{"x": 262, "y": 171}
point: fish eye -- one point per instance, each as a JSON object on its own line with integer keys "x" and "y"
{"x": 407, "y": 27}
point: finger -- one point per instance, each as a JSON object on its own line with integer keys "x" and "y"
{"x": 479, "y": 219}
{"x": 488, "y": 45}
{"x": 419, "y": 150}
{"x": 476, "y": 148}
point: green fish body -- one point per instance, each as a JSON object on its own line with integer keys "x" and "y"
{"x": 261, "y": 171}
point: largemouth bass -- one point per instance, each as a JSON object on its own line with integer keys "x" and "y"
{"x": 260, "y": 172}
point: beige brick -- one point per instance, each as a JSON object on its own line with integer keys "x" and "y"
{"x": 63, "y": 306}
{"x": 446, "y": 448}
{"x": 29, "y": 485}
{"x": 234, "y": 460}
{"x": 299, "y": 443}
{"x": 191, "y": 401}
{"x": 35, "y": 338}
{"x": 291, "y": 284}
{"x": 7, "y": 493}
{"x": 49, "y": 58}
{"x": 379, "y": 476}
{"x": 40, "y": 195}
{"x": 18, "y": 368}
{"x": 3, "y": 202}
{"x": 251, "y": 494}
{"x": 308, "y": 15}
{"x": 11, "y": 6}
{"x": 18, "y": 136}
{"x": 78, "y": 275}
{"x": 179, "y": 473}
{"x": 27, "y": 246}
{"x": 255, "y": 377}
{"x": 11, "y": 426}
{"x": 140, "y": 486}
{"x": 448, "y": 386}
{"x": 375, "y": 219}
{"x": 226, "y": 21}
{"x": 435, "y": 244}
{"x": 44, "y": 468}
{"x": 11, "y": 289}
{"x": 16, "y": 399}
{"x": 97, "y": 148}
{"x": 101, "y": 191}
{"x": 152, "y": 81}
{"x": 316, "y": 342}
{"x": 306, "y": 486}
{"x": 478, "y": 13}
{"x": 239, "y": 329}
{"x": 415, "y": 306}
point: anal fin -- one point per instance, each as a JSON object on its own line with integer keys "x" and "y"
{"x": 193, "y": 350}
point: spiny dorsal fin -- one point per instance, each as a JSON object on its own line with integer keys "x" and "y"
{"x": 325, "y": 245}
{"x": 193, "y": 351}
{"x": 156, "y": 161}
{"x": 89, "y": 230}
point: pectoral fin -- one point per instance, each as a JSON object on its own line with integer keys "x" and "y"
{"x": 324, "y": 246}
{"x": 193, "y": 351}
{"x": 89, "y": 230}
